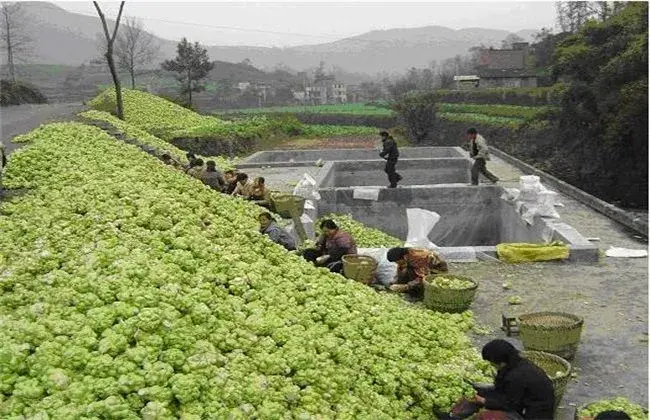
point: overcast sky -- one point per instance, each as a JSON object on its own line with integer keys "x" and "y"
{"x": 306, "y": 22}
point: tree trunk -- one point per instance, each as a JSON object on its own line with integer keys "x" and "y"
{"x": 116, "y": 82}
{"x": 132, "y": 71}
{"x": 10, "y": 62}
{"x": 189, "y": 88}
{"x": 10, "y": 52}
{"x": 109, "y": 56}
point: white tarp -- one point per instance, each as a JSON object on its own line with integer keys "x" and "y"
{"x": 626, "y": 253}
{"x": 307, "y": 188}
{"x": 386, "y": 270}
{"x": 420, "y": 224}
{"x": 366, "y": 194}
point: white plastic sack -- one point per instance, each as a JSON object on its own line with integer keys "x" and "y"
{"x": 386, "y": 270}
{"x": 510, "y": 194}
{"x": 528, "y": 182}
{"x": 546, "y": 204}
{"x": 308, "y": 225}
{"x": 307, "y": 188}
{"x": 366, "y": 194}
{"x": 310, "y": 209}
{"x": 529, "y": 188}
{"x": 420, "y": 224}
{"x": 626, "y": 253}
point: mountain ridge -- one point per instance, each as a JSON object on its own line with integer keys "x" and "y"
{"x": 68, "y": 38}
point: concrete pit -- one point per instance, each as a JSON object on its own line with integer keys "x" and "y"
{"x": 413, "y": 171}
{"x": 327, "y": 155}
{"x": 471, "y": 216}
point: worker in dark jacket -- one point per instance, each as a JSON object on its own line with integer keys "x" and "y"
{"x": 3, "y": 156}
{"x": 213, "y": 177}
{"x": 391, "y": 154}
{"x": 276, "y": 233}
{"x": 331, "y": 246}
{"x": 520, "y": 386}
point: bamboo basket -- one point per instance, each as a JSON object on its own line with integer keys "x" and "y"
{"x": 552, "y": 364}
{"x": 285, "y": 204}
{"x": 579, "y": 409}
{"x": 361, "y": 268}
{"x": 551, "y": 332}
{"x": 442, "y": 299}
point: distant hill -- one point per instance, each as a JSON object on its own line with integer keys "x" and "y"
{"x": 62, "y": 83}
{"x": 67, "y": 38}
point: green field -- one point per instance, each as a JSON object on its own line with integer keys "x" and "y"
{"x": 508, "y": 115}
{"x": 348, "y": 109}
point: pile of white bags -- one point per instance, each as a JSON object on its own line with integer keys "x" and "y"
{"x": 537, "y": 199}
{"x": 529, "y": 187}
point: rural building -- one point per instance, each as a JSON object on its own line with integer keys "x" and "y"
{"x": 467, "y": 82}
{"x": 326, "y": 91}
{"x": 242, "y": 86}
{"x": 500, "y": 68}
{"x": 490, "y": 78}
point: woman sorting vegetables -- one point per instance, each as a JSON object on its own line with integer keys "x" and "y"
{"x": 521, "y": 389}
{"x": 413, "y": 266}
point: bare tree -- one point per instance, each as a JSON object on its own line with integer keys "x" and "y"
{"x": 13, "y": 35}
{"x": 571, "y": 15}
{"x": 110, "y": 39}
{"x": 135, "y": 48}
{"x": 510, "y": 40}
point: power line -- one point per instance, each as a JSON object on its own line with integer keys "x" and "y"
{"x": 242, "y": 29}
{"x": 331, "y": 37}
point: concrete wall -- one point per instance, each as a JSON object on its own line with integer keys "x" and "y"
{"x": 469, "y": 215}
{"x": 413, "y": 171}
{"x": 352, "y": 154}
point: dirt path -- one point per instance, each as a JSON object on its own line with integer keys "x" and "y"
{"x": 19, "y": 119}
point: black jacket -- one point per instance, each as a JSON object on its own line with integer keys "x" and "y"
{"x": 524, "y": 388}
{"x": 390, "y": 151}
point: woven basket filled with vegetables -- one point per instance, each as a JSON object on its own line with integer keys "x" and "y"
{"x": 284, "y": 204}
{"x": 552, "y": 332}
{"x": 449, "y": 293}
{"x": 361, "y": 268}
{"x": 635, "y": 411}
{"x": 557, "y": 369}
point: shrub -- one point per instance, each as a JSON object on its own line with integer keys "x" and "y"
{"x": 19, "y": 93}
{"x": 417, "y": 112}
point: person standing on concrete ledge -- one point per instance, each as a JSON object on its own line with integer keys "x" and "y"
{"x": 478, "y": 150}
{"x": 390, "y": 153}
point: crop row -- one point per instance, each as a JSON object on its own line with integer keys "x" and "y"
{"x": 166, "y": 121}
{"x": 130, "y": 290}
{"x": 351, "y": 108}
{"x": 497, "y": 110}
{"x": 482, "y": 119}
{"x": 508, "y": 111}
